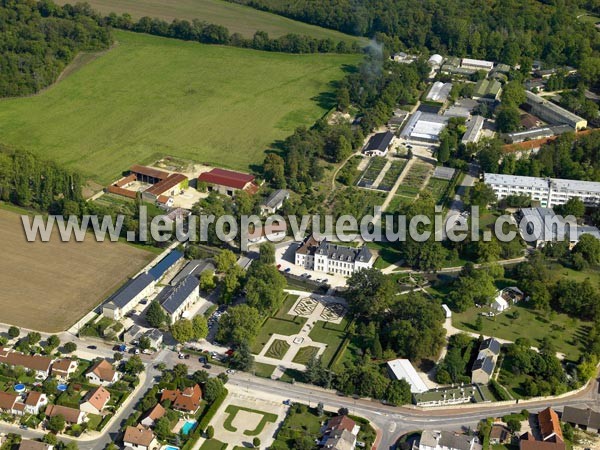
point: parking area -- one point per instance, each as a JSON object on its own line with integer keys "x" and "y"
{"x": 285, "y": 261}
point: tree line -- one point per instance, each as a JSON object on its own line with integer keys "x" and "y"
{"x": 39, "y": 39}
{"x": 510, "y": 32}
{"x": 209, "y": 33}
{"x": 32, "y": 182}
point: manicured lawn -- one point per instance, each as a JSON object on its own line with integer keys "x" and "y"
{"x": 331, "y": 334}
{"x": 565, "y": 332}
{"x": 237, "y": 18}
{"x": 280, "y": 323}
{"x": 388, "y": 254}
{"x": 277, "y": 349}
{"x": 213, "y": 444}
{"x": 263, "y": 370}
{"x": 233, "y": 410}
{"x": 94, "y": 421}
{"x": 149, "y": 97}
{"x": 305, "y": 354}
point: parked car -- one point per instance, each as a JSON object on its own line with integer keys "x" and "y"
{"x": 207, "y": 366}
{"x": 287, "y": 402}
{"x": 230, "y": 371}
{"x": 187, "y": 356}
{"x": 92, "y": 347}
{"x": 288, "y": 270}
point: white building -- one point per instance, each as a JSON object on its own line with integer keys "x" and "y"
{"x": 402, "y": 369}
{"x": 379, "y": 144}
{"x": 102, "y": 373}
{"x": 476, "y": 64}
{"x": 548, "y": 191}
{"x": 474, "y": 127}
{"x": 424, "y": 127}
{"x": 125, "y": 299}
{"x": 439, "y": 92}
{"x": 500, "y": 304}
{"x": 176, "y": 300}
{"x": 332, "y": 258}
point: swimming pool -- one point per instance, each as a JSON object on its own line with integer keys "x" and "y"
{"x": 170, "y": 447}
{"x": 19, "y": 387}
{"x": 62, "y": 387}
{"x": 188, "y": 426}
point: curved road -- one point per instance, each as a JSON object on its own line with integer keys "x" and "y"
{"x": 390, "y": 421}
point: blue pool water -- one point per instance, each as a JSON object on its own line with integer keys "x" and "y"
{"x": 62, "y": 387}
{"x": 188, "y": 426}
{"x": 19, "y": 387}
{"x": 170, "y": 447}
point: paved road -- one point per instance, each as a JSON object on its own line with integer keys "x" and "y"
{"x": 391, "y": 421}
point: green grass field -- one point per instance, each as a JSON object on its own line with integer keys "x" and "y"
{"x": 237, "y": 18}
{"x": 331, "y": 334}
{"x": 149, "y": 97}
{"x": 277, "y": 349}
{"x": 566, "y": 333}
{"x": 305, "y": 354}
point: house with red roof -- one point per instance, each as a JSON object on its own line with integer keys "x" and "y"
{"x": 153, "y": 415}
{"x": 228, "y": 182}
{"x": 64, "y": 368}
{"x": 95, "y": 401}
{"x": 186, "y": 401}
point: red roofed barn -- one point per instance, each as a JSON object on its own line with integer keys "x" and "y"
{"x": 228, "y": 182}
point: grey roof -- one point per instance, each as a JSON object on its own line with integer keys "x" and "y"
{"x": 474, "y": 126}
{"x": 379, "y": 141}
{"x": 448, "y": 440}
{"x": 154, "y": 335}
{"x": 490, "y": 344}
{"x": 134, "y": 331}
{"x": 171, "y": 297}
{"x": 582, "y": 417}
{"x": 486, "y": 364}
{"x": 342, "y": 253}
{"x": 130, "y": 290}
{"x": 340, "y": 440}
{"x": 194, "y": 267}
{"x": 276, "y": 198}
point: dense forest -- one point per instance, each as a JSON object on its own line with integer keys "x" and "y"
{"x": 37, "y": 41}
{"x": 508, "y": 31}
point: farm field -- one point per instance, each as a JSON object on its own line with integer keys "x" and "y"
{"x": 69, "y": 279}
{"x": 391, "y": 176}
{"x": 237, "y": 18}
{"x": 150, "y": 97}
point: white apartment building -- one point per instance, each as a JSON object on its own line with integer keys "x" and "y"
{"x": 332, "y": 258}
{"x": 549, "y": 192}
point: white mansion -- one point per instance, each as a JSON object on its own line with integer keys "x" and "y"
{"x": 332, "y": 258}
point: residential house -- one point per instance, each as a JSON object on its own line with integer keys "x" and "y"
{"x": 125, "y": 299}
{"x": 139, "y": 438}
{"x": 176, "y": 300}
{"x": 186, "y": 401}
{"x": 155, "y": 337}
{"x": 499, "y": 434}
{"x": 228, "y": 182}
{"x": 27, "y": 444}
{"x": 340, "y": 433}
{"x": 340, "y": 440}
{"x": 35, "y": 401}
{"x": 550, "y": 428}
{"x": 153, "y": 415}
{"x": 485, "y": 363}
{"x": 9, "y": 403}
{"x": 584, "y": 418}
{"x": 64, "y": 368}
{"x": 102, "y": 373}
{"x": 447, "y": 440}
{"x": 274, "y": 232}
{"x": 274, "y": 202}
{"x": 72, "y": 416}
{"x": 95, "y": 401}
{"x": 40, "y": 365}
{"x": 528, "y": 442}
